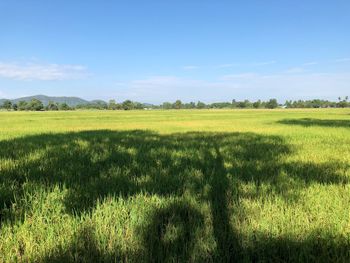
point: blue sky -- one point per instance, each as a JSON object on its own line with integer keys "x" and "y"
{"x": 155, "y": 51}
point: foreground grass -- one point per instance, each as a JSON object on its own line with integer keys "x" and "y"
{"x": 170, "y": 186}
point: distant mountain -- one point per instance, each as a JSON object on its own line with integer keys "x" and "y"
{"x": 71, "y": 101}
{"x": 98, "y": 102}
{"x": 148, "y": 105}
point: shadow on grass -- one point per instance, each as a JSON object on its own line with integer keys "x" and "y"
{"x": 95, "y": 164}
{"x": 307, "y": 122}
{"x": 85, "y": 248}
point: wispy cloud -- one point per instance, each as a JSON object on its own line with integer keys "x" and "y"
{"x": 239, "y": 86}
{"x": 34, "y": 71}
{"x": 226, "y": 65}
{"x": 230, "y": 65}
{"x": 248, "y": 64}
{"x": 264, "y": 63}
{"x": 166, "y": 88}
{"x": 120, "y": 84}
{"x": 190, "y": 67}
{"x": 342, "y": 60}
{"x": 247, "y": 75}
{"x": 294, "y": 70}
{"x": 310, "y": 63}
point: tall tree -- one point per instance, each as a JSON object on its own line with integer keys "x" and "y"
{"x": 35, "y": 105}
{"x": 201, "y": 105}
{"x": 178, "y": 104}
{"x": 7, "y": 105}
{"x": 52, "y": 106}
{"x": 22, "y": 105}
{"x": 272, "y": 104}
{"x": 128, "y": 105}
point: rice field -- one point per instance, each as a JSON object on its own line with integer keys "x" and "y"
{"x": 175, "y": 186}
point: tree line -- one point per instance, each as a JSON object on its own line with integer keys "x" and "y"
{"x": 34, "y": 105}
{"x": 37, "y": 105}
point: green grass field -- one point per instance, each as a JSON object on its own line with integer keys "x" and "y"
{"x": 175, "y": 186}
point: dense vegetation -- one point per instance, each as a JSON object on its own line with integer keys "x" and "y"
{"x": 35, "y": 104}
{"x": 175, "y": 186}
{"x": 71, "y": 101}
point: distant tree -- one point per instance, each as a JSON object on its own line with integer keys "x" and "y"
{"x": 190, "y": 105}
{"x": 263, "y": 104}
{"x": 14, "y": 107}
{"x": 128, "y": 105}
{"x": 82, "y": 106}
{"x": 244, "y": 104}
{"x": 314, "y": 104}
{"x": 221, "y": 105}
{"x": 35, "y": 105}
{"x": 257, "y": 104}
{"x": 201, "y": 105}
{"x": 271, "y": 104}
{"x": 342, "y": 104}
{"x": 178, "y": 104}
{"x": 167, "y": 105}
{"x": 64, "y": 106}
{"x": 288, "y": 104}
{"x": 234, "y": 104}
{"x": 112, "y": 105}
{"x": 98, "y": 105}
{"x": 7, "y": 105}
{"x": 299, "y": 104}
{"x": 101, "y": 105}
{"x": 52, "y": 106}
{"x": 138, "y": 106}
{"x": 22, "y": 105}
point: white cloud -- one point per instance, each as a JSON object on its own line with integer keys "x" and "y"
{"x": 34, "y": 71}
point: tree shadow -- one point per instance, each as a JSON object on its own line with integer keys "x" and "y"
{"x": 93, "y": 165}
{"x": 219, "y": 197}
{"x": 314, "y": 247}
{"x": 170, "y": 233}
{"x": 308, "y": 122}
{"x": 84, "y": 248}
